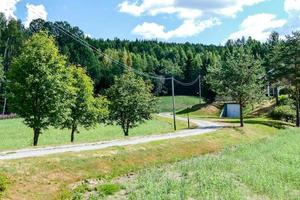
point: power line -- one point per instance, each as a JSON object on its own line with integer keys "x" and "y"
{"x": 187, "y": 84}
{"x": 94, "y": 49}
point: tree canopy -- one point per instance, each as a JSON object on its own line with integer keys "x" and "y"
{"x": 239, "y": 77}
{"x": 39, "y": 84}
{"x": 85, "y": 110}
{"x": 131, "y": 101}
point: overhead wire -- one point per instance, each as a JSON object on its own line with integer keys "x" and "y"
{"x": 95, "y": 49}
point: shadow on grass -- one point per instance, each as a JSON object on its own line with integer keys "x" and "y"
{"x": 194, "y": 108}
{"x": 266, "y": 122}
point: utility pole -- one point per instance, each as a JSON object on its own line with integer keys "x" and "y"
{"x": 173, "y": 98}
{"x": 188, "y": 116}
{"x": 200, "y": 95}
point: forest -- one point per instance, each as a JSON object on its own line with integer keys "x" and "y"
{"x": 105, "y": 59}
{"x": 183, "y": 61}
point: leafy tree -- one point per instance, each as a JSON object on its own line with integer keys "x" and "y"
{"x": 85, "y": 109}
{"x": 240, "y": 77}
{"x": 12, "y": 36}
{"x": 39, "y": 85}
{"x": 290, "y": 70}
{"x": 1, "y": 73}
{"x": 272, "y": 60}
{"x": 131, "y": 101}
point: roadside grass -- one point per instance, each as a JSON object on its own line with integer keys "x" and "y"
{"x": 182, "y": 102}
{"x": 53, "y": 177}
{"x": 15, "y": 135}
{"x": 266, "y": 170}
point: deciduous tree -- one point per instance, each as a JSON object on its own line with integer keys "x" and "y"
{"x": 239, "y": 77}
{"x": 39, "y": 85}
{"x": 86, "y": 111}
{"x": 131, "y": 101}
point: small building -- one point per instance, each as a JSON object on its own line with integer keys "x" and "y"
{"x": 231, "y": 110}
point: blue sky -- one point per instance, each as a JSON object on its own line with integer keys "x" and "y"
{"x": 196, "y": 21}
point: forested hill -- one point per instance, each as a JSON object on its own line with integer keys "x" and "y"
{"x": 183, "y": 61}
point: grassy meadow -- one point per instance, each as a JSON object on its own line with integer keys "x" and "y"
{"x": 63, "y": 174}
{"x": 16, "y": 135}
{"x": 265, "y": 170}
{"x": 181, "y": 103}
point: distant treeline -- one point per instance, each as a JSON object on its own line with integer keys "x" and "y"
{"x": 183, "y": 61}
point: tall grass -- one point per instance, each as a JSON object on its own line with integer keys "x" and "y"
{"x": 266, "y": 170}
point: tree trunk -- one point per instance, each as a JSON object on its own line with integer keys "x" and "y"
{"x": 241, "y": 115}
{"x": 126, "y": 132}
{"x": 297, "y": 109}
{"x": 36, "y": 132}
{"x": 72, "y": 135}
{"x": 4, "y": 106}
{"x": 276, "y": 96}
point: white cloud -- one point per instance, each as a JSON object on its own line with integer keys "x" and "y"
{"x": 150, "y": 7}
{"x": 258, "y": 26}
{"x": 196, "y": 15}
{"x": 188, "y": 28}
{"x": 8, "y": 7}
{"x": 35, "y": 12}
{"x": 292, "y": 6}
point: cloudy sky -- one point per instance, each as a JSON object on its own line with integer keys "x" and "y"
{"x": 197, "y": 21}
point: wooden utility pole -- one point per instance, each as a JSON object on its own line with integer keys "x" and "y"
{"x": 200, "y": 94}
{"x": 188, "y": 116}
{"x": 173, "y": 98}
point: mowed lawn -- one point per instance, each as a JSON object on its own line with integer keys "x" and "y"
{"x": 15, "y": 135}
{"x": 181, "y": 103}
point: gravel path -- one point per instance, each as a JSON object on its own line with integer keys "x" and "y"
{"x": 202, "y": 128}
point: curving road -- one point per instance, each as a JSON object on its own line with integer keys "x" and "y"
{"x": 202, "y": 128}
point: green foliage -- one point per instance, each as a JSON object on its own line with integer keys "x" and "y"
{"x": 283, "y": 112}
{"x": 108, "y": 189}
{"x": 1, "y": 73}
{"x": 285, "y": 100}
{"x": 86, "y": 111}
{"x": 3, "y": 184}
{"x": 239, "y": 77}
{"x": 290, "y": 70}
{"x": 39, "y": 84}
{"x": 131, "y": 101}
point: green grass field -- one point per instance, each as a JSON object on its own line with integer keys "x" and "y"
{"x": 268, "y": 169}
{"x": 181, "y": 102}
{"x": 15, "y": 135}
{"x": 52, "y": 177}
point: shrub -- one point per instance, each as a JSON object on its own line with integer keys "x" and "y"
{"x": 284, "y": 112}
{"x": 108, "y": 189}
{"x": 3, "y": 184}
{"x": 284, "y": 100}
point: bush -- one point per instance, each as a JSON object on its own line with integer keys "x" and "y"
{"x": 284, "y": 100}
{"x": 284, "y": 112}
{"x": 108, "y": 189}
{"x": 3, "y": 184}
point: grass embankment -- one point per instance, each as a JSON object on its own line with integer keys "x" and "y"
{"x": 16, "y": 135}
{"x": 53, "y": 176}
{"x": 181, "y": 103}
{"x": 266, "y": 170}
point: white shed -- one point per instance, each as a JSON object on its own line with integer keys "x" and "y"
{"x": 231, "y": 110}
